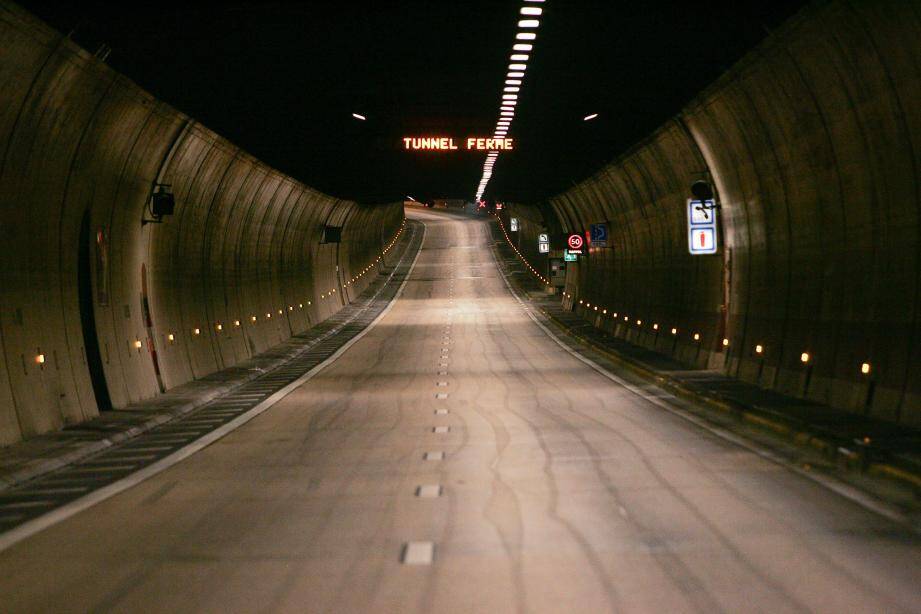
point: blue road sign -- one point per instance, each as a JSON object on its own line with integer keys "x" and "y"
{"x": 701, "y": 227}
{"x": 599, "y": 234}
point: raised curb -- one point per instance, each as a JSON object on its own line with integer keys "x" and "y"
{"x": 247, "y": 371}
{"x": 846, "y": 455}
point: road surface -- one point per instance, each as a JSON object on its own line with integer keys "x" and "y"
{"x": 552, "y": 490}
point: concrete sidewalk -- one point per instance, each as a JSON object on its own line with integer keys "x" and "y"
{"x": 851, "y": 443}
{"x": 45, "y": 453}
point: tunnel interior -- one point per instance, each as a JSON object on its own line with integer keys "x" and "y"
{"x": 687, "y": 380}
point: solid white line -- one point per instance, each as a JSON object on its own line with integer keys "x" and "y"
{"x": 846, "y": 491}
{"x": 35, "y": 525}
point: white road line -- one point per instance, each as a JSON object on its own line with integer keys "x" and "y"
{"x": 838, "y": 487}
{"x": 35, "y": 525}
{"x": 433, "y": 456}
{"x": 428, "y": 491}
{"x": 441, "y": 412}
{"x": 418, "y": 553}
{"x": 441, "y": 429}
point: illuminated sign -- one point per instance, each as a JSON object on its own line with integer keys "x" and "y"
{"x": 575, "y": 243}
{"x": 701, "y": 227}
{"x": 513, "y": 224}
{"x": 543, "y": 248}
{"x": 568, "y": 256}
{"x": 444, "y": 143}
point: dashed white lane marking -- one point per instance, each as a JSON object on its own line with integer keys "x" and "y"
{"x": 428, "y": 491}
{"x": 622, "y": 510}
{"x": 442, "y": 373}
{"x": 441, "y": 412}
{"x": 442, "y": 384}
{"x": 441, "y": 429}
{"x": 433, "y": 456}
{"x": 442, "y": 364}
{"x": 441, "y": 395}
{"x": 418, "y": 553}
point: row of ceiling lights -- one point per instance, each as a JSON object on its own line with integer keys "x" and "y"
{"x": 524, "y": 44}
{"x": 218, "y": 326}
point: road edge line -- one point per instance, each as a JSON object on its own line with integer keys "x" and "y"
{"x": 72, "y": 508}
{"x": 846, "y": 491}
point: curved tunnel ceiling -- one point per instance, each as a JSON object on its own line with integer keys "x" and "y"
{"x": 281, "y": 79}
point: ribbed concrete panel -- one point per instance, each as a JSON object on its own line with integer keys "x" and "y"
{"x": 812, "y": 143}
{"x": 82, "y": 143}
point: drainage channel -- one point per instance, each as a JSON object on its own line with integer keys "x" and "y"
{"x": 37, "y": 497}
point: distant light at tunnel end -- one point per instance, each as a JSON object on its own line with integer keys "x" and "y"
{"x": 357, "y": 116}
{"x": 589, "y": 117}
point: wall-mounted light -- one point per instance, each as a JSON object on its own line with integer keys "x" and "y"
{"x": 725, "y": 342}
{"x": 138, "y": 344}
{"x": 674, "y": 331}
{"x": 865, "y": 368}
{"x": 696, "y": 336}
{"x": 655, "y": 327}
{"x": 171, "y": 337}
{"x": 236, "y": 322}
{"x": 196, "y": 331}
{"x": 804, "y": 357}
{"x": 759, "y": 349}
{"x": 219, "y": 326}
{"x": 40, "y": 359}
{"x": 253, "y": 318}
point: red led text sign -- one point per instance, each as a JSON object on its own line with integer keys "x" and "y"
{"x": 444, "y": 143}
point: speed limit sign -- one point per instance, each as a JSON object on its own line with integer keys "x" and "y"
{"x": 575, "y": 242}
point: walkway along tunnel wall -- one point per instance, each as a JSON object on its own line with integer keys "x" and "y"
{"x": 238, "y": 267}
{"x": 813, "y": 145}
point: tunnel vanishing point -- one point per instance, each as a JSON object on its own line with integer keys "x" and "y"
{"x": 351, "y": 394}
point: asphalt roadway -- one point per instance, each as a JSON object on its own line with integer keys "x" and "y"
{"x": 457, "y": 459}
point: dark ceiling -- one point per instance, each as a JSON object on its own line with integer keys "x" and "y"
{"x": 281, "y": 80}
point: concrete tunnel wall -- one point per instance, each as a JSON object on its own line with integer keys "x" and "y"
{"x": 245, "y": 241}
{"x": 813, "y": 144}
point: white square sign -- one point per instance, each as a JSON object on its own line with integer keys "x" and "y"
{"x": 701, "y": 227}
{"x": 703, "y": 240}
{"x": 543, "y": 248}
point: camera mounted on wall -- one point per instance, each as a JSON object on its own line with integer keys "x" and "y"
{"x": 160, "y": 204}
{"x": 702, "y": 190}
